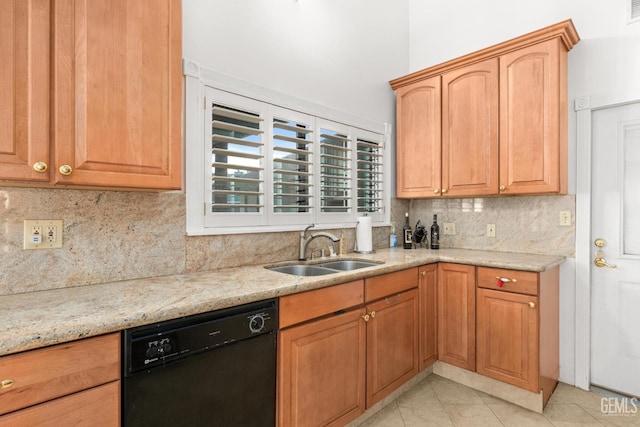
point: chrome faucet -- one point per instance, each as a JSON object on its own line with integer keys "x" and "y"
{"x": 304, "y": 241}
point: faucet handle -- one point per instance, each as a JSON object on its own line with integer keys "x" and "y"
{"x": 308, "y": 227}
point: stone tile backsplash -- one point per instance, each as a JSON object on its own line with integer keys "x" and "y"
{"x": 111, "y": 236}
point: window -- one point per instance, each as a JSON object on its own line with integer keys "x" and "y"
{"x": 266, "y": 167}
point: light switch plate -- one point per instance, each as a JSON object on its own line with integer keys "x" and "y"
{"x": 42, "y": 233}
{"x": 565, "y": 219}
{"x": 491, "y": 230}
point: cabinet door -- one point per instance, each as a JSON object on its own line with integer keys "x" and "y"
{"x": 418, "y": 139}
{"x": 508, "y": 338}
{"x": 117, "y": 93}
{"x": 24, "y": 89}
{"x": 457, "y": 315}
{"x": 392, "y": 344}
{"x": 533, "y": 120}
{"x": 321, "y": 371}
{"x": 470, "y": 130}
{"x": 95, "y": 407}
{"x": 428, "y": 275}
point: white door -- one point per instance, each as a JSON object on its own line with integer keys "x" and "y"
{"x": 615, "y": 219}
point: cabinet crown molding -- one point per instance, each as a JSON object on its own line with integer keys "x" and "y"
{"x": 563, "y": 30}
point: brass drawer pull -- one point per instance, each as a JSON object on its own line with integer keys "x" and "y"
{"x": 6, "y": 384}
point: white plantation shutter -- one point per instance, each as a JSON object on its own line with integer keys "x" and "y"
{"x": 235, "y": 153}
{"x": 293, "y": 170}
{"x": 335, "y": 170}
{"x": 370, "y": 174}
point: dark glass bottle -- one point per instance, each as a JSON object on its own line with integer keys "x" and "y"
{"x": 407, "y": 233}
{"x": 435, "y": 233}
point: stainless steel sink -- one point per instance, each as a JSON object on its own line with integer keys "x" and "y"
{"x": 348, "y": 265}
{"x": 302, "y": 270}
{"x": 319, "y": 269}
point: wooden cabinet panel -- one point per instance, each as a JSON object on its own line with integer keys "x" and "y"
{"x": 507, "y": 338}
{"x": 533, "y": 119}
{"x": 321, "y": 371}
{"x": 389, "y": 284}
{"x": 428, "y": 329}
{"x": 418, "y": 139}
{"x": 95, "y": 407}
{"x": 47, "y": 373}
{"x": 457, "y": 315}
{"x": 24, "y": 88}
{"x": 470, "y": 130}
{"x": 118, "y": 92}
{"x": 392, "y": 344}
{"x": 309, "y": 305}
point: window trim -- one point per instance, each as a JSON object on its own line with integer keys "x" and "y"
{"x": 196, "y": 80}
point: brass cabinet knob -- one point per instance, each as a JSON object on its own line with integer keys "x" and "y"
{"x": 40, "y": 167}
{"x": 532, "y": 304}
{"x": 423, "y": 273}
{"x": 436, "y": 191}
{"x": 6, "y": 383}
{"x": 65, "y": 170}
{"x": 366, "y": 317}
{"x": 373, "y": 314}
{"x": 444, "y": 190}
{"x": 502, "y": 188}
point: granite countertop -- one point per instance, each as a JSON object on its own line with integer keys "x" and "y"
{"x": 38, "y": 319}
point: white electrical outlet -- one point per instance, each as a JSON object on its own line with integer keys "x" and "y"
{"x": 449, "y": 228}
{"x": 42, "y": 234}
{"x": 491, "y": 230}
{"x": 565, "y": 219}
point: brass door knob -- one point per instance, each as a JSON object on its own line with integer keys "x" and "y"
{"x": 40, "y": 167}
{"x": 600, "y": 262}
{"x": 65, "y": 170}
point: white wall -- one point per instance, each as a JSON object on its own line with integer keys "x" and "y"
{"x": 605, "y": 61}
{"x": 339, "y": 54}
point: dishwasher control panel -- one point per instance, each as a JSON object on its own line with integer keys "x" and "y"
{"x": 161, "y": 343}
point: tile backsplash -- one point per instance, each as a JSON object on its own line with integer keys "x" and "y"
{"x": 110, "y": 236}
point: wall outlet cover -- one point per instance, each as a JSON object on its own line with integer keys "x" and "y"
{"x": 42, "y": 234}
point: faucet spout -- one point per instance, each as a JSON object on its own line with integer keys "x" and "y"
{"x": 304, "y": 241}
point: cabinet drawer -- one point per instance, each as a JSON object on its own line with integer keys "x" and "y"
{"x": 390, "y": 283}
{"x": 521, "y": 282}
{"x": 47, "y": 373}
{"x": 309, "y": 305}
{"x": 96, "y": 407}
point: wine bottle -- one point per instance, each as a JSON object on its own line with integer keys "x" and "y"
{"x": 407, "y": 233}
{"x": 435, "y": 233}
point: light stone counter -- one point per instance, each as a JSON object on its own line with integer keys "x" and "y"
{"x": 38, "y": 319}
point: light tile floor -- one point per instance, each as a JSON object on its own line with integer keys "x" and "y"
{"x": 437, "y": 401}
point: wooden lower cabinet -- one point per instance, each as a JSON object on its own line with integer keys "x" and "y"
{"x": 95, "y": 407}
{"x": 457, "y": 315}
{"x": 321, "y": 369}
{"x": 427, "y": 288}
{"x": 392, "y": 344}
{"x": 75, "y": 383}
{"x": 517, "y": 328}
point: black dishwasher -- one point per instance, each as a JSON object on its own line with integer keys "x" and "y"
{"x": 210, "y": 369}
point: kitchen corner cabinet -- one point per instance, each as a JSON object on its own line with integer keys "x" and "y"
{"x": 517, "y": 328}
{"x": 503, "y": 122}
{"x": 76, "y": 383}
{"x": 427, "y": 288}
{"x": 116, "y": 94}
{"x": 24, "y": 88}
{"x": 457, "y": 315}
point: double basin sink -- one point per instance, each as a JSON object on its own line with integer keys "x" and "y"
{"x": 326, "y": 267}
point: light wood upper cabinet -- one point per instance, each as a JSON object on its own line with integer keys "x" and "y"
{"x": 470, "y": 130}
{"x": 418, "y": 144}
{"x": 117, "y": 89}
{"x": 503, "y": 122}
{"x": 24, "y": 88}
{"x": 533, "y": 119}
